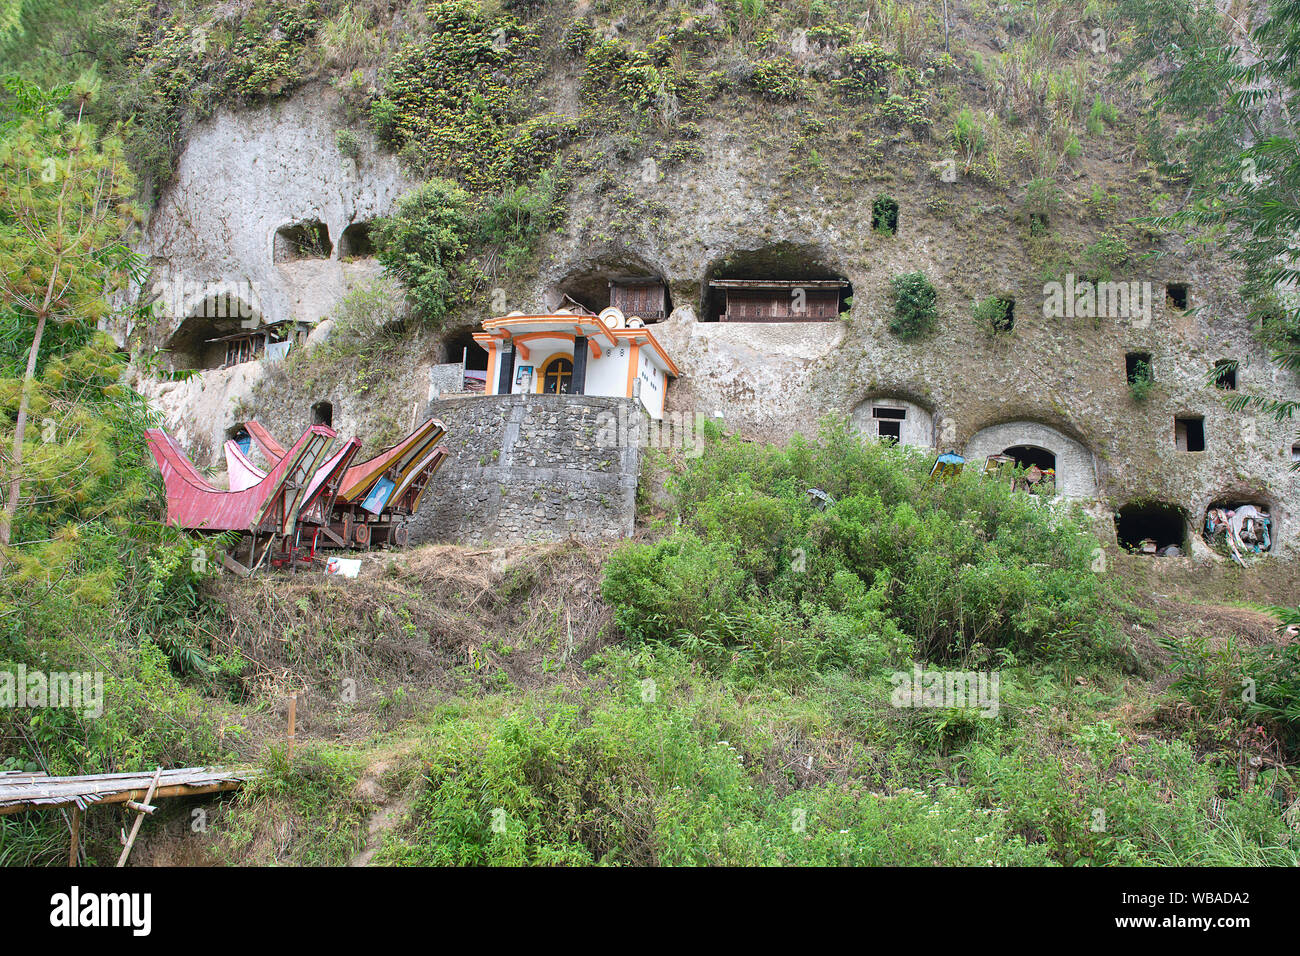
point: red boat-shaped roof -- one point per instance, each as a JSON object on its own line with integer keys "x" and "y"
{"x": 272, "y": 504}
{"x": 321, "y": 490}
{"x": 401, "y": 463}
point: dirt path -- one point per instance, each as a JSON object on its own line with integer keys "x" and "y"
{"x": 381, "y": 821}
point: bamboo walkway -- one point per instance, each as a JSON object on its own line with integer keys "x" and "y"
{"x": 21, "y": 791}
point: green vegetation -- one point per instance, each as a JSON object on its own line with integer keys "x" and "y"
{"x": 913, "y": 298}
{"x": 1042, "y": 199}
{"x": 438, "y": 240}
{"x": 1241, "y": 194}
{"x": 993, "y": 314}
{"x": 269, "y": 46}
{"x": 348, "y": 143}
{"x": 725, "y": 688}
{"x": 454, "y": 100}
{"x": 758, "y": 580}
{"x": 64, "y": 212}
{"x": 91, "y": 582}
{"x": 1141, "y": 382}
{"x": 884, "y": 215}
{"x": 1102, "y": 258}
{"x": 748, "y": 716}
{"x": 316, "y": 793}
{"x": 422, "y": 240}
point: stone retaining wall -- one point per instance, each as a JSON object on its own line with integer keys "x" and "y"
{"x": 533, "y": 468}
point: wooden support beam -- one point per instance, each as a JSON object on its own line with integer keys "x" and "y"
{"x": 230, "y": 564}
{"x": 80, "y": 793}
{"x": 139, "y": 819}
{"x": 76, "y": 836}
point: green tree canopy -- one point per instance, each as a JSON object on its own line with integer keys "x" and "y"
{"x": 66, "y": 206}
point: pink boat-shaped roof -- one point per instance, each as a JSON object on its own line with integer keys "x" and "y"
{"x": 401, "y": 461}
{"x": 271, "y": 504}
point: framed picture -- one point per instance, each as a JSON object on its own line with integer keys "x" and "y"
{"x": 523, "y": 374}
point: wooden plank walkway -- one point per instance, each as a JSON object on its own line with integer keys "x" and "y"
{"x": 29, "y": 791}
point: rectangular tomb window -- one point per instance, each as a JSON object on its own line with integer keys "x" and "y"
{"x": 1137, "y": 367}
{"x": 1225, "y": 374}
{"x": 889, "y": 421}
{"x": 1189, "y": 433}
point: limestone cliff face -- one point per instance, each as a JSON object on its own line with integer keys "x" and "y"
{"x": 1051, "y": 381}
{"x": 244, "y": 176}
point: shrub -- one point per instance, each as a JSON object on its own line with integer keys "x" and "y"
{"x": 1102, "y": 257}
{"x": 1042, "y": 197}
{"x": 993, "y": 314}
{"x": 758, "y": 577}
{"x": 621, "y": 76}
{"x": 909, "y": 109}
{"x": 452, "y": 100}
{"x": 512, "y": 222}
{"x": 272, "y": 39}
{"x": 777, "y": 79}
{"x": 1141, "y": 382}
{"x": 348, "y": 143}
{"x": 577, "y": 37}
{"x": 884, "y": 215}
{"x": 866, "y": 69}
{"x": 421, "y": 242}
{"x": 914, "y": 305}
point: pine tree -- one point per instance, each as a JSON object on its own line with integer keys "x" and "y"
{"x": 66, "y": 206}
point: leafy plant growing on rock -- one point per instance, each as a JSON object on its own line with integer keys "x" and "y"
{"x": 1042, "y": 197}
{"x": 914, "y": 305}
{"x": 1103, "y": 257}
{"x": 993, "y": 314}
{"x": 884, "y": 215}
{"x": 421, "y": 243}
{"x": 1141, "y": 382}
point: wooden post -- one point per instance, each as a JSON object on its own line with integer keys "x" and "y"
{"x": 293, "y": 713}
{"x": 139, "y": 819}
{"x": 76, "y": 836}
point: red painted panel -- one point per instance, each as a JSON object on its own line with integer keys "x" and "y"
{"x": 193, "y": 503}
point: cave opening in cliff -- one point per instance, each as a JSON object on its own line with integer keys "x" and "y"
{"x": 626, "y": 284}
{"x": 356, "y": 242}
{"x": 322, "y": 413}
{"x": 1239, "y": 525}
{"x": 308, "y": 239}
{"x": 239, "y": 434}
{"x": 1026, "y": 456}
{"x": 1137, "y": 367}
{"x": 461, "y": 347}
{"x": 784, "y": 282}
{"x": 1151, "y": 527}
{"x": 220, "y": 331}
{"x": 1177, "y": 294}
{"x": 1189, "y": 433}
